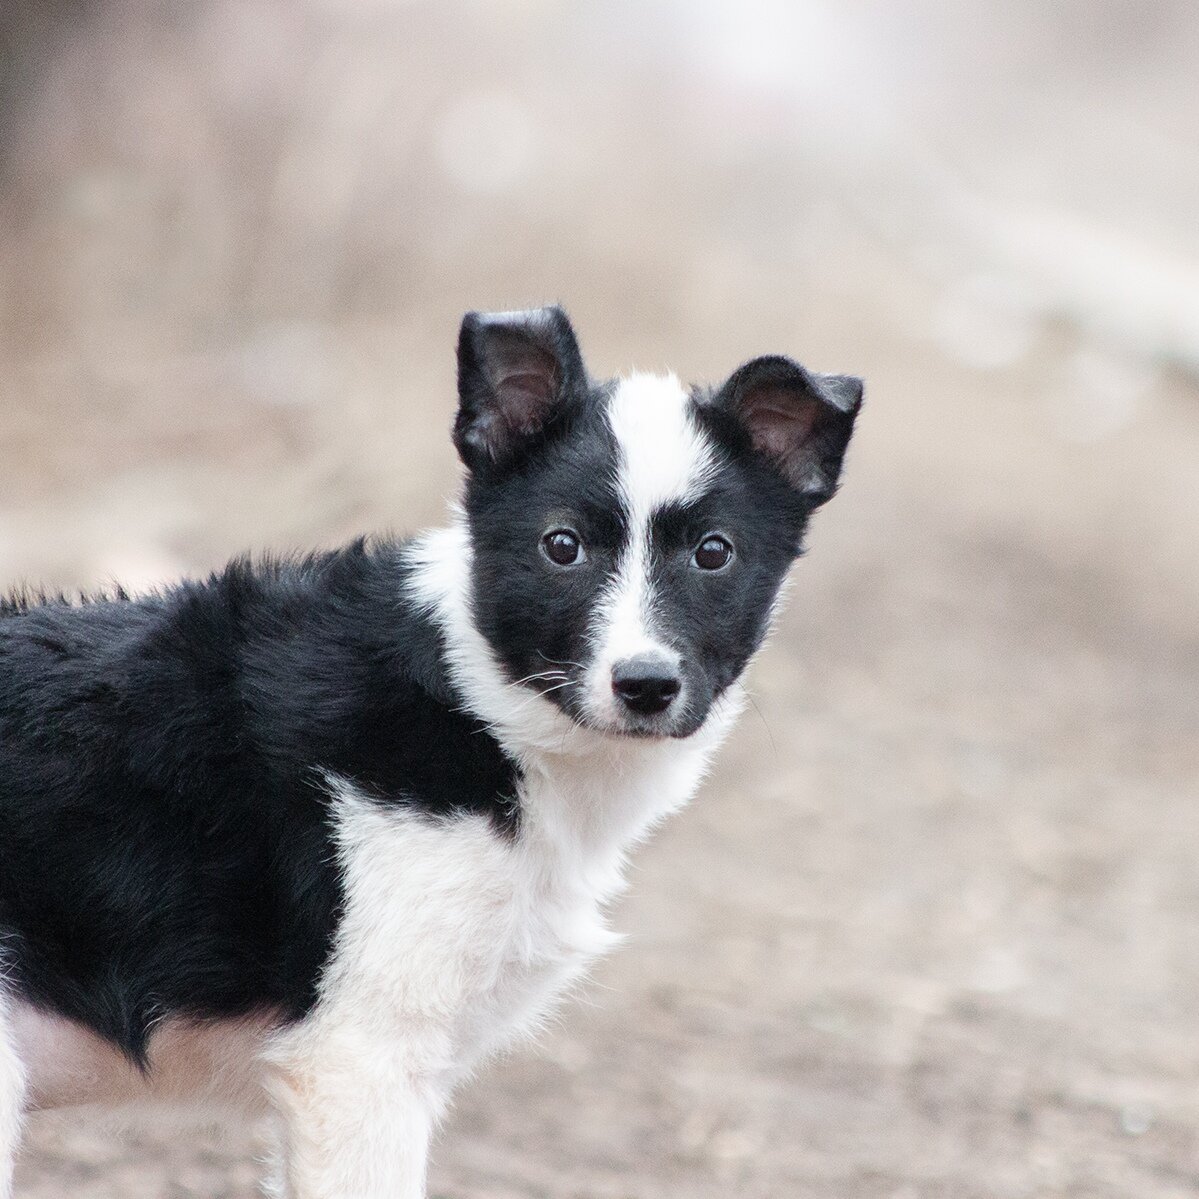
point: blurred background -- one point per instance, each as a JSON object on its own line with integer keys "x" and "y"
{"x": 930, "y": 931}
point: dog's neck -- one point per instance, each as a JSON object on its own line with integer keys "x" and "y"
{"x": 595, "y": 794}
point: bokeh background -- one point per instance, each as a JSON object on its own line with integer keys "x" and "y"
{"x": 930, "y": 931}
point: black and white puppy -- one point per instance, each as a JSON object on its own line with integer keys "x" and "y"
{"x": 323, "y": 834}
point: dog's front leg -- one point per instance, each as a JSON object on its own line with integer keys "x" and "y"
{"x": 12, "y": 1100}
{"x": 356, "y": 1119}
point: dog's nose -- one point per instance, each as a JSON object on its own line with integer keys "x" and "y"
{"x": 646, "y": 684}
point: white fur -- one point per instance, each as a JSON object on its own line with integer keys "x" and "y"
{"x": 12, "y": 1094}
{"x": 663, "y": 458}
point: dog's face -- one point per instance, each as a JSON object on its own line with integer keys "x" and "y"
{"x": 629, "y": 538}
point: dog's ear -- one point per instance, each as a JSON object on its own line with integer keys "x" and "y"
{"x": 514, "y": 371}
{"x": 798, "y": 420}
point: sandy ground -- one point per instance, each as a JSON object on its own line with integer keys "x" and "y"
{"x": 929, "y": 931}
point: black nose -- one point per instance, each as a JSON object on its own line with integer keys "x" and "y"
{"x": 646, "y": 684}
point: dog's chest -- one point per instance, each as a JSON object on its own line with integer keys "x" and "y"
{"x": 556, "y": 931}
{"x": 466, "y": 934}
{"x": 454, "y": 924}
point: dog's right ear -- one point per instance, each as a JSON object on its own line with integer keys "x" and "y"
{"x": 514, "y": 371}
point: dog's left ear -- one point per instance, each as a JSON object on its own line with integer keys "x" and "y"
{"x": 798, "y": 420}
{"x": 515, "y": 369}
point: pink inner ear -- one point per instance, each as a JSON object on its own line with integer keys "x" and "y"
{"x": 779, "y": 422}
{"x": 525, "y": 398}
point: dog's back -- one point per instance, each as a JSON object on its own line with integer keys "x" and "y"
{"x": 154, "y": 859}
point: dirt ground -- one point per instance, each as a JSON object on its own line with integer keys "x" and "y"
{"x": 929, "y": 931}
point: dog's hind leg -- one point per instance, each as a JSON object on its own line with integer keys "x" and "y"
{"x": 12, "y": 1098}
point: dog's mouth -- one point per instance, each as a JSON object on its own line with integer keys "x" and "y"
{"x": 668, "y": 726}
{"x": 570, "y": 696}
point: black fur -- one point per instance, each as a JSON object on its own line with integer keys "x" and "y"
{"x": 164, "y": 847}
{"x": 536, "y": 615}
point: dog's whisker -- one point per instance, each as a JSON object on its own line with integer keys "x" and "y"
{"x": 562, "y": 661}
{"x": 559, "y": 686}
{"x": 532, "y": 678}
{"x": 498, "y": 726}
{"x": 750, "y": 696}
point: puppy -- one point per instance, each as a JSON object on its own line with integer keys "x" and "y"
{"x": 320, "y": 835}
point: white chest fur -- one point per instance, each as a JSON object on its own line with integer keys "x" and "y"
{"x": 468, "y": 936}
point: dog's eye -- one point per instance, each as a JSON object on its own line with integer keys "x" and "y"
{"x": 563, "y": 547}
{"x": 713, "y": 553}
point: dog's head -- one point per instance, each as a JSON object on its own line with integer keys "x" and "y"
{"x": 629, "y": 538}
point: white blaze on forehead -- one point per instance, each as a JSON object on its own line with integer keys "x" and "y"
{"x": 663, "y": 457}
